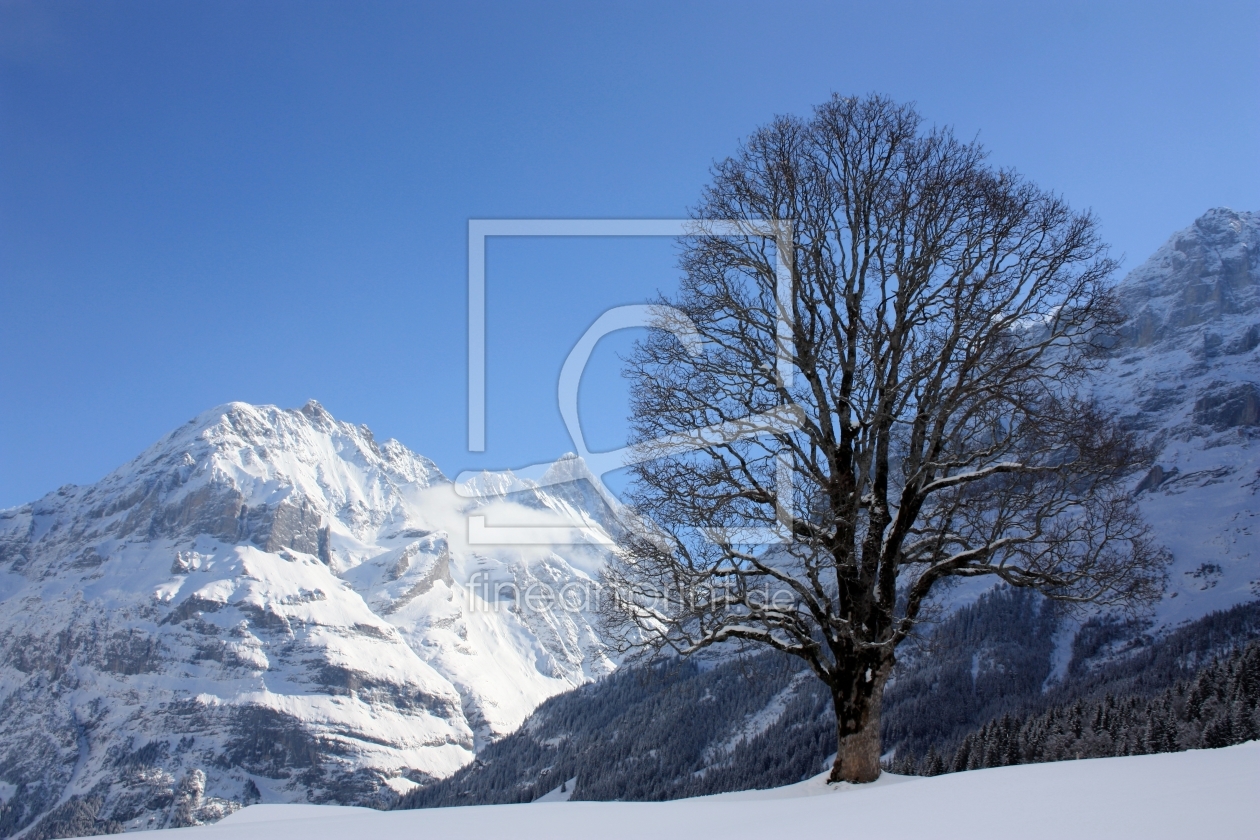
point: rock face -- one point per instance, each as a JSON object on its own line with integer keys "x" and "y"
{"x": 1187, "y": 372}
{"x": 270, "y": 605}
{"x": 1203, "y": 274}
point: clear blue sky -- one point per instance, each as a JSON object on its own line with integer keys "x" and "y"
{"x": 267, "y": 201}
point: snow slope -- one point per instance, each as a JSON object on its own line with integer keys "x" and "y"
{"x": 1202, "y": 793}
{"x": 271, "y": 604}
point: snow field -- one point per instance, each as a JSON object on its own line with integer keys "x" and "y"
{"x": 1201, "y": 793}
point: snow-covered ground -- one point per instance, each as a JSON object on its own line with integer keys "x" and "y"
{"x": 1201, "y": 793}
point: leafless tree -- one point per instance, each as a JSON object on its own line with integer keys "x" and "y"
{"x": 919, "y": 324}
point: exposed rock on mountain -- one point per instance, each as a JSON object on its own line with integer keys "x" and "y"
{"x": 1187, "y": 372}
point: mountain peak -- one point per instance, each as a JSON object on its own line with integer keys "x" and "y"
{"x": 1205, "y": 272}
{"x": 1224, "y": 221}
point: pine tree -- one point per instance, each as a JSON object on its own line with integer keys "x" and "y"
{"x": 933, "y": 764}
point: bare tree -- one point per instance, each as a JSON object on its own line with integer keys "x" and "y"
{"x": 919, "y": 324}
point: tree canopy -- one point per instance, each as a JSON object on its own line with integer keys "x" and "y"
{"x": 886, "y": 393}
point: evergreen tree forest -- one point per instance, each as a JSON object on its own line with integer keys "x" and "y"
{"x": 1217, "y": 708}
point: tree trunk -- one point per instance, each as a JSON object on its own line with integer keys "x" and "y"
{"x": 857, "y": 727}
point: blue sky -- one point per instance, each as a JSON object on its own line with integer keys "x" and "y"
{"x": 268, "y": 201}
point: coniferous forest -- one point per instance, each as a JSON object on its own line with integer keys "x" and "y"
{"x": 1217, "y": 708}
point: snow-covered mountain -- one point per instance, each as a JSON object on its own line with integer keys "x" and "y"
{"x": 271, "y": 604}
{"x": 1187, "y": 372}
